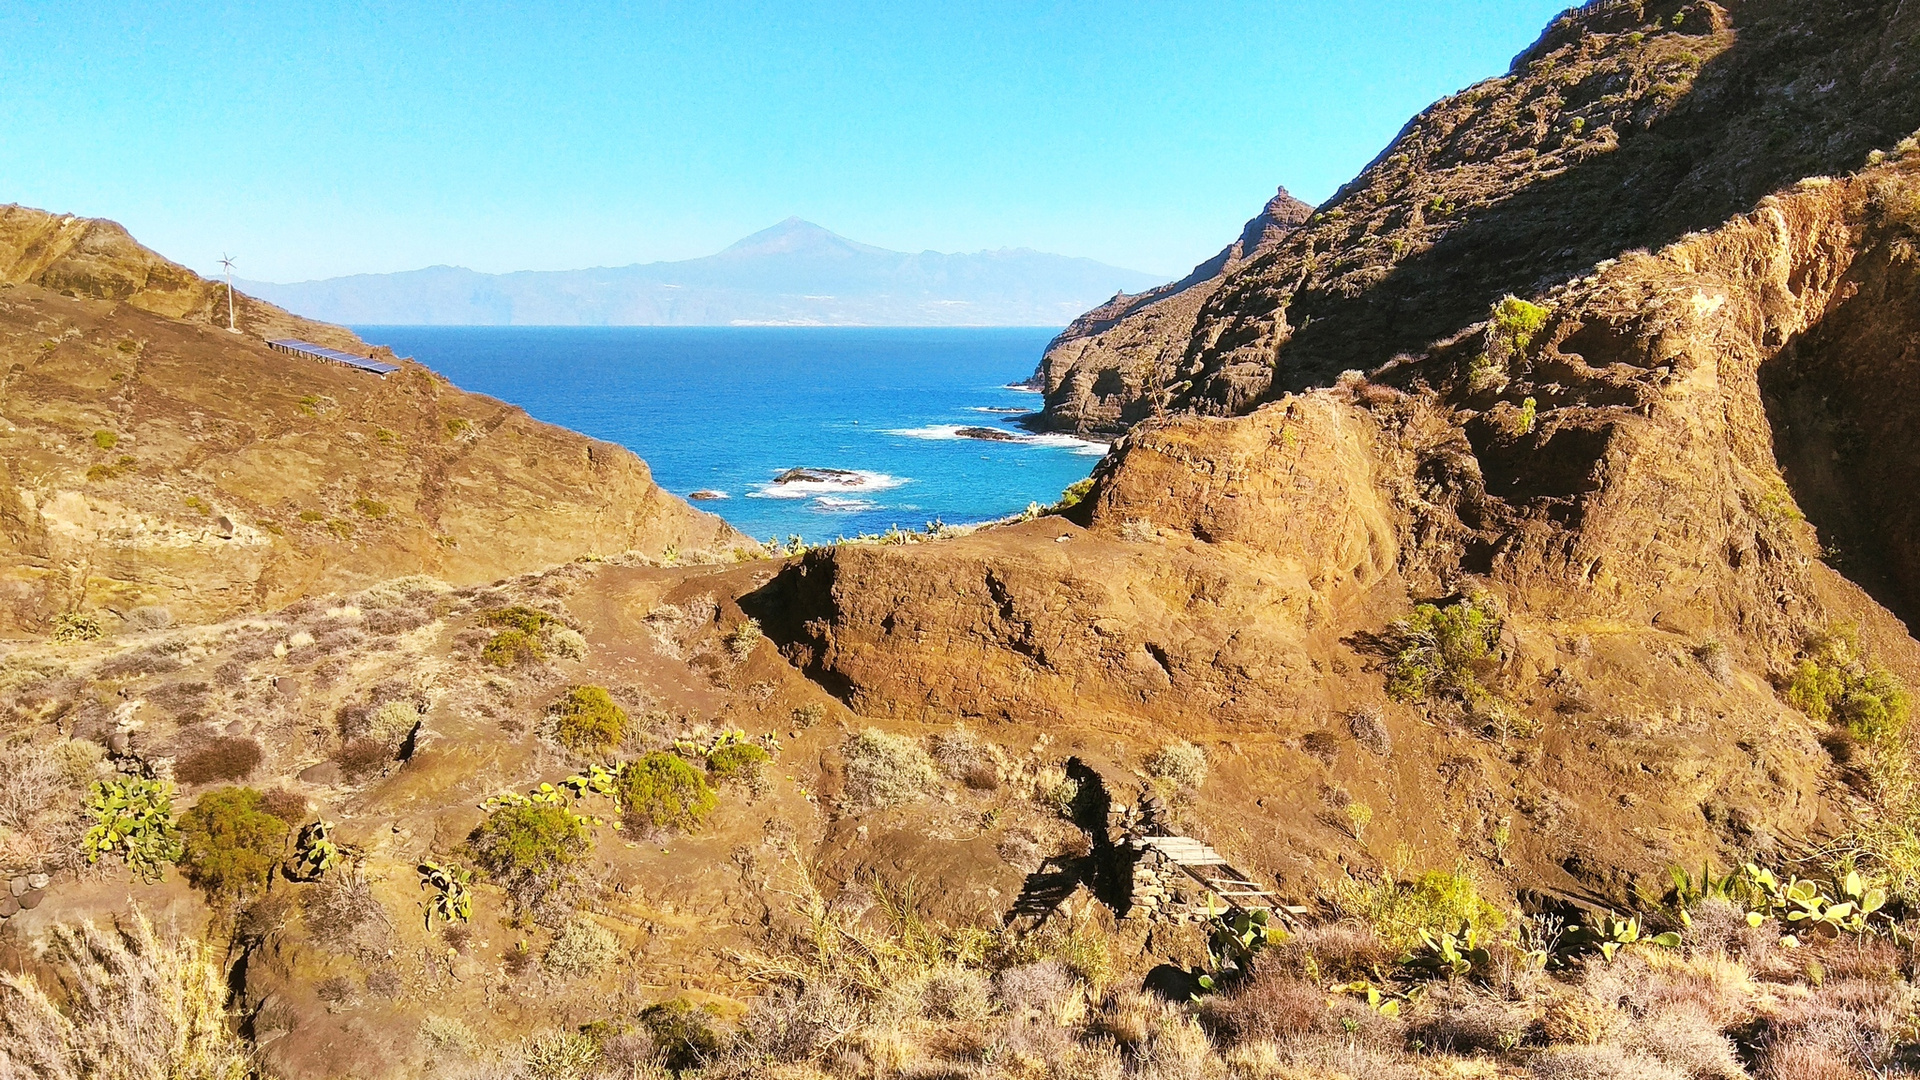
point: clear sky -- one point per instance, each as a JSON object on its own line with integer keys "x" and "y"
{"x": 313, "y": 139}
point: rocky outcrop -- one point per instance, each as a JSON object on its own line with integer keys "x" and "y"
{"x": 1630, "y": 124}
{"x": 1098, "y": 373}
{"x": 150, "y": 458}
{"x": 1703, "y": 449}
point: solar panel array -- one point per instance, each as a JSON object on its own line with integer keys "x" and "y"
{"x": 321, "y": 352}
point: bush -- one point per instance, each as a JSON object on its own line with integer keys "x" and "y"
{"x": 1075, "y": 493}
{"x": 1180, "y": 763}
{"x": 738, "y": 762}
{"x": 683, "y": 1031}
{"x": 583, "y": 947}
{"x": 105, "y": 440}
{"x": 393, "y": 722}
{"x": 225, "y": 758}
{"x": 567, "y": 643}
{"x": 1835, "y": 683}
{"x": 77, "y": 626}
{"x": 1436, "y": 901}
{"x": 587, "y": 720}
{"x": 1369, "y": 729}
{"x": 526, "y": 848}
{"x": 231, "y": 843}
{"x": 660, "y": 791}
{"x": 512, "y": 648}
{"x": 743, "y": 639}
{"x": 886, "y": 770}
{"x": 1444, "y": 650}
{"x": 358, "y": 757}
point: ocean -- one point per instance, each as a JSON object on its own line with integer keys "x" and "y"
{"x": 873, "y": 415}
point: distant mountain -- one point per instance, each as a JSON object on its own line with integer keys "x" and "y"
{"x": 795, "y": 273}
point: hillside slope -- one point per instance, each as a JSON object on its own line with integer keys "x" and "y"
{"x": 1628, "y": 125}
{"x": 150, "y": 458}
{"x": 1686, "y": 454}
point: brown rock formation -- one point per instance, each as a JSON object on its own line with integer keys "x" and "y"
{"x": 148, "y": 457}
{"x": 1702, "y": 448}
{"x": 1629, "y": 124}
{"x": 1098, "y": 373}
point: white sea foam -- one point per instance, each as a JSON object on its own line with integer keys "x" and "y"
{"x": 838, "y": 482}
{"x": 840, "y": 504}
{"x": 943, "y": 432}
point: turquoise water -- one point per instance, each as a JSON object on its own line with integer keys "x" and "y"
{"x": 729, "y": 409}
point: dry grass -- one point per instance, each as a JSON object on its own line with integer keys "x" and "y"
{"x": 40, "y": 803}
{"x": 139, "y": 1006}
{"x": 885, "y": 770}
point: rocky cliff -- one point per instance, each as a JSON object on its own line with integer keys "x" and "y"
{"x": 1628, "y": 125}
{"x": 1099, "y": 375}
{"x": 1656, "y": 456}
{"x": 149, "y": 458}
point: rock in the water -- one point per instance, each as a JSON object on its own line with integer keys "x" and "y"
{"x": 987, "y": 434}
{"x": 818, "y": 476}
{"x": 707, "y": 495}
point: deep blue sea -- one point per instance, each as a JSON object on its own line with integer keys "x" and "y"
{"x": 730, "y": 409}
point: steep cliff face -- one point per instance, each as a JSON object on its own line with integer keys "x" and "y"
{"x": 1699, "y": 451}
{"x": 1627, "y": 126}
{"x": 1099, "y": 373}
{"x": 148, "y": 457}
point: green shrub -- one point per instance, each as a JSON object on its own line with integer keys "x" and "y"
{"x": 527, "y": 846}
{"x": 372, "y": 508}
{"x": 737, "y": 762}
{"x": 393, "y": 722}
{"x": 1510, "y": 332}
{"x": 521, "y": 636}
{"x": 518, "y": 617}
{"x": 586, "y": 719}
{"x": 1442, "y": 651}
{"x": 1835, "y": 683}
{"x": 683, "y": 1032}
{"x": 77, "y": 626}
{"x": 511, "y": 648}
{"x": 660, "y": 791}
{"x": 133, "y": 818}
{"x": 232, "y": 844}
{"x": 886, "y": 770}
{"x": 105, "y": 440}
{"x": 1072, "y": 496}
{"x": 1437, "y": 902}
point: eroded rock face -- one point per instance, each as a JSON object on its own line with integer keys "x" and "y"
{"x": 1628, "y": 125}
{"x": 1629, "y": 483}
{"x": 150, "y": 458}
{"x": 1099, "y": 372}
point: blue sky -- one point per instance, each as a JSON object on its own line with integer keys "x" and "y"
{"x": 316, "y": 139}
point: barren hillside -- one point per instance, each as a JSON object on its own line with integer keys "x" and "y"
{"x": 148, "y": 458}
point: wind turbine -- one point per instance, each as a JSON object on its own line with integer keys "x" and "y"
{"x": 227, "y": 261}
